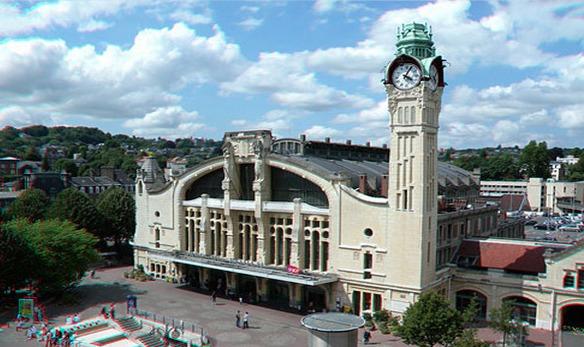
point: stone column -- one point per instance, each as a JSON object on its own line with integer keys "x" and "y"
{"x": 205, "y": 238}
{"x": 297, "y": 234}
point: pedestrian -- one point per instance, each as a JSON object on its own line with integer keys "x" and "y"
{"x": 76, "y": 318}
{"x": 112, "y": 311}
{"x": 104, "y": 312}
{"x": 92, "y": 274}
{"x": 246, "y": 321}
{"x": 238, "y": 319}
{"x": 366, "y": 336}
{"x": 241, "y": 300}
{"x": 214, "y": 297}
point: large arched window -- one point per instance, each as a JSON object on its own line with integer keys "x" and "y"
{"x": 208, "y": 184}
{"x": 464, "y": 299}
{"x": 287, "y": 186}
{"x": 524, "y": 310}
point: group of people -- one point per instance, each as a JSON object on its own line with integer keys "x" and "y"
{"x": 55, "y": 337}
{"x": 238, "y": 321}
{"x": 111, "y": 313}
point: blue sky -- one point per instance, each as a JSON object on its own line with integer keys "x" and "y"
{"x": 200, "y": 68}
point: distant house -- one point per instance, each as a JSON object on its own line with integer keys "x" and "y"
{"x": 108, "y": 177}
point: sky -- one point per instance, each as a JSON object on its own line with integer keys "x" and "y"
{"x": 163, "y": 68}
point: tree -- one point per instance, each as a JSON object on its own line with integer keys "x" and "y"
{"x": 36, "y": 130}
{"x": 16, "y": 260}
{"x": 119, "y": 211}
{"x": 534, "y": 160}
{"x": 60, "y": 252}
{"x": 32, "y": 154}
{"x": 78, "y": 208}
{"x": 30, "y": 205}
{"x": 501, "y": 319}
{"x": 500, "y": 167}
{"x": 68, "y": 165}
{"x": 469, "y": 339}
{"x": 555, "y": 152}
{"x": 45, "y": 163}
{"x": 429, "y": 321}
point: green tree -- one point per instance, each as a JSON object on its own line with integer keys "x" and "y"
{"x": 501, "y": 319}
{"x": 429, "y": 321}
{"x": 61, "y": 252}
{"x": 16, "y": 260}
{"x": 36, "y": 130}
{"x": 32, "y": 154}
{"x": 118, "y": 209}
{"x": 78, "y": 208}
{"x": 68, "y": 165}
{"x": 30, "y": 205}
{"x": 45, "y": 163}
{"x": 500, "y": 167}
{"x": 534, "y": 160}
{"x": 469, "y": 339}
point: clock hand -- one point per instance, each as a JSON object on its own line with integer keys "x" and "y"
{"x": 406, "y": 76}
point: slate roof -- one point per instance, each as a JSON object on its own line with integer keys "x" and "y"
{"x": 87, "y": 181}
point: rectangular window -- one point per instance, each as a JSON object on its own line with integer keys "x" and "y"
{"x": 569, "y": 281}
{"x": 367, "y": 261}
{"x": 581, "y": 279}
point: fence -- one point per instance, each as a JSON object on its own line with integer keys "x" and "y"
{"x": 176, "y": 324}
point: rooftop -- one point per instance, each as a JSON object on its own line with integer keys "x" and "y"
{"x": 332, "y": 322}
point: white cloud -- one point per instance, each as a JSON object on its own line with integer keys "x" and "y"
{"x": 251, "y": 23}
{"x": 321, "y": 6}
{"x": 505, "y": 133}
{"x": 286, "y": 78}
{"x": 46, "y": 77}
{"x": 319, "y": 132}
{"x": 571, "y": 117}
{"x": 169, "y": 122}
{"x": 189, "y": 17}
{"x": 540, "y": 117}
{"x": 93, "y": 25}
{"x": 16, "y": 20}
{"x": 250, "y": 9}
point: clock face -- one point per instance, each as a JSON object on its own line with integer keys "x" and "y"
{"x": 406, "y": 76}
{"x": 433, "y": 82}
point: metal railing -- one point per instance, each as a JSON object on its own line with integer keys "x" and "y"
{"x": 175, "y": 323}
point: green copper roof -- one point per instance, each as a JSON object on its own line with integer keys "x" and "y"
{"x": 415, "y": 39}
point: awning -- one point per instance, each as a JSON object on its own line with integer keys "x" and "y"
{"x": 240, "y": 267}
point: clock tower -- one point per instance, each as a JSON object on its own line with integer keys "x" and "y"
{"x": 414, "y": 82}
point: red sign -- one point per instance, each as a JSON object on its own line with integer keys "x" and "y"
{"x": 293, "y": 269}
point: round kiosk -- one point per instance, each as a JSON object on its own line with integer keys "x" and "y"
{"x": 332, "y": 329}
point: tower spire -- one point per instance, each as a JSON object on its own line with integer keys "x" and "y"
{"x": 415, "y": 39}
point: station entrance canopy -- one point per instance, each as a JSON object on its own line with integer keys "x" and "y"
{"x": 241, "y": 267}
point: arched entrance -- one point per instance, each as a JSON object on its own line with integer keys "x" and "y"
{"x": 572, "y": 317}
{"x": 464, "y": 298}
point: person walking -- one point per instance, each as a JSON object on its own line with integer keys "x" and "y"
{"x": 366, "y": 336}
{"x": 112, "y": 311}
{"x": 246, "y": 321}
{"x": 238, "y": 319}
{"x": 214, "y": 297}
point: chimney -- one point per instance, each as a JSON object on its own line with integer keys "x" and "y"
{"x": 384, "y": 146}
{"x": 327, "y": 139}
{"x": 363, "y": 183}
{"x": 368, "y": 144}
{"x": 349, "y": 142}
{"x": 302, "y": 137}
{"x": 384, "y": 185}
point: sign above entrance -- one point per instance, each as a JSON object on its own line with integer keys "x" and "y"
{"x": 294, "y": 270}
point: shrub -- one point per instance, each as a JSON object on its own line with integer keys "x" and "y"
{"x": 381, "y": 316}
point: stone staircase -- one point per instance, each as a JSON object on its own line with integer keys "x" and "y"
{"x": 151, "y": 340}
{"x": 129, "y": 324}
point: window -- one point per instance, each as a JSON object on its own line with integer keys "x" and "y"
{"x": 523, "y": 309}
{"x": 569, "y": 280}
{"x": 157, "y": 214}
{"x": 465, "y": 297}
{"x": 580, "y": 279}
{"x": 367, "y": 260}
{"x": 368, "y": 232}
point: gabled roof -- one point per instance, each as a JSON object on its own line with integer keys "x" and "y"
{"x": 509, "y": 255}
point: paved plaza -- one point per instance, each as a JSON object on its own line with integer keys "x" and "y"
{"x": 268, "y": 327}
